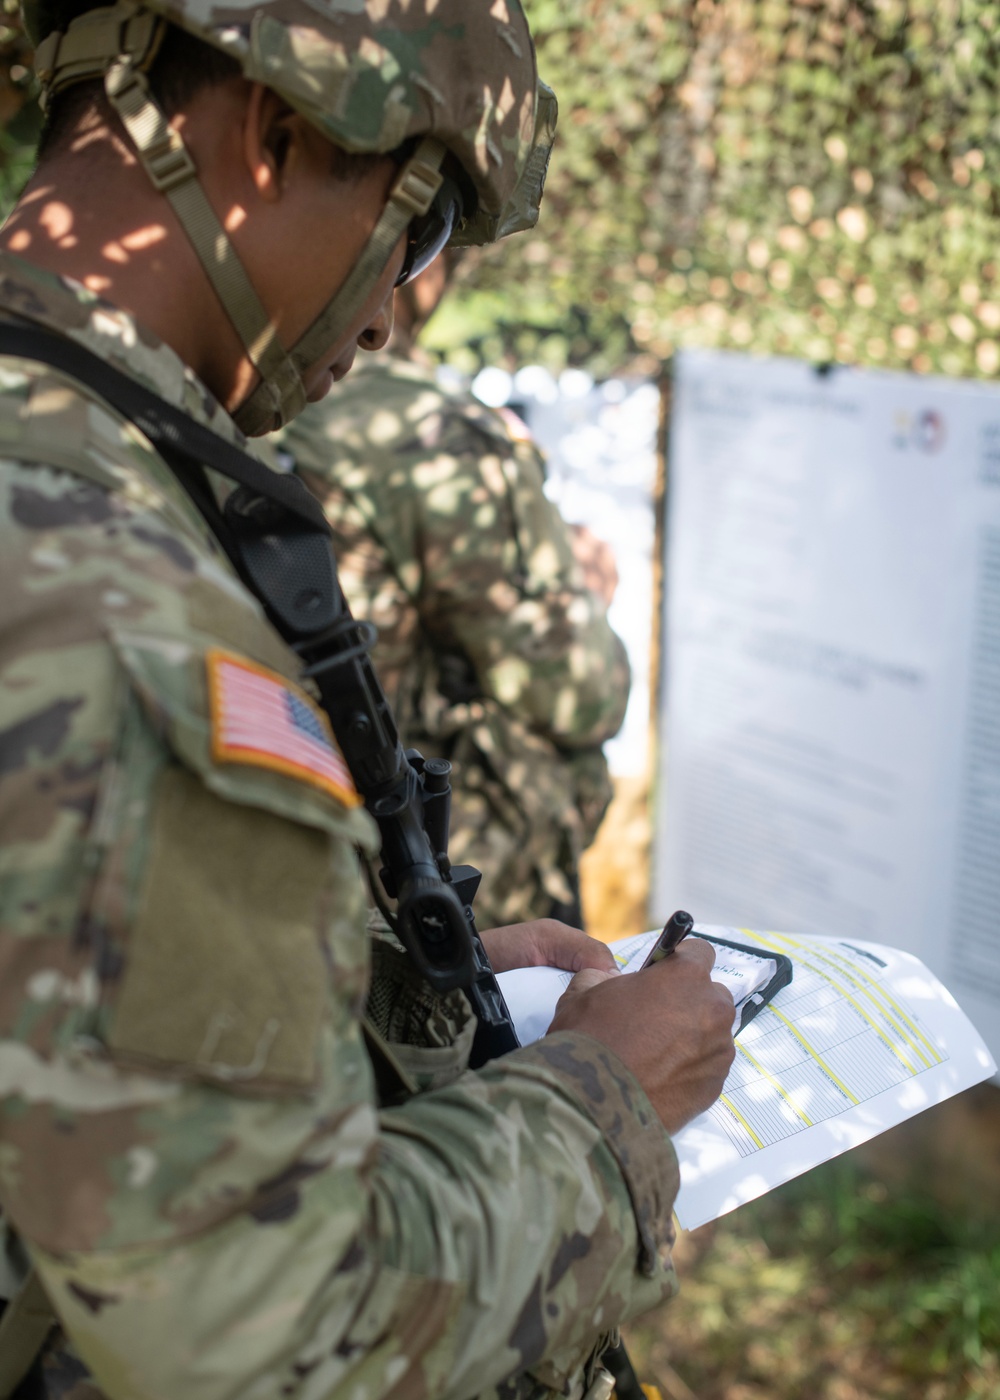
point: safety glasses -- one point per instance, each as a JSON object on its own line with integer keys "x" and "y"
{"x": 429, "y": 233}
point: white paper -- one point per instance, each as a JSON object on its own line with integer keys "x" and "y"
{"x": 863, "y": 1038}
{"x": 830, "y": 732}
{"x": 531, "y": 993}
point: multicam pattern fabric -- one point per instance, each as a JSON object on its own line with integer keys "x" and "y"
{"x": 191, "y": 1147}
{"x": 493, "y": 651}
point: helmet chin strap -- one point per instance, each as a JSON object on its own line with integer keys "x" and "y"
{"x": 281, "y": 394}
{"x": 167, "y": 161}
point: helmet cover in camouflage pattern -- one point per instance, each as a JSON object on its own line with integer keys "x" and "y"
{"x": 370, "y": 74}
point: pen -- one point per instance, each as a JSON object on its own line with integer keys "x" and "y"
{"x": 678, "y": 926}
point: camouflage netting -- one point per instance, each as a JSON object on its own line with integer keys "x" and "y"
{"x": 813, "y": 179}
{"x": 806, "y": 178}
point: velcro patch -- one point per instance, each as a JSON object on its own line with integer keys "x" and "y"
{"x": 260, "y": 718}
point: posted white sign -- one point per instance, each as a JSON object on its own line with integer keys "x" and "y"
{"x": 830, "y": 739}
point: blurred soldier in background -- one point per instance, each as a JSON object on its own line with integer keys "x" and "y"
{"x": 493, "y": 641}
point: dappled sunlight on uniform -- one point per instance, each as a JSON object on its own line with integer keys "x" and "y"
{"x": 493, "y": 650}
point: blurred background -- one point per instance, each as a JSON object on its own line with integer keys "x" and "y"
{"x": 814, "y": 179}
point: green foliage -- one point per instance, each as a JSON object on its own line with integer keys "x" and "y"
{"x": 804, "y": 177}
{"x": 20, "y": 118}
{"x": 834, "y": 1286}
{"x": 932, "y": 1276}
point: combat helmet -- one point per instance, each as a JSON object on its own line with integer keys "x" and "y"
{"x": 418, "y": 79}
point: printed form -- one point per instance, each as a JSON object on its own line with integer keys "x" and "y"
{"x": 838, "y": 1038}
{"x": 863, "y": 1038}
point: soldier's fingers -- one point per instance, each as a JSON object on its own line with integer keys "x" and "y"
{"x": 509, "y": 947}
{"x": 545, "y": 943}
{"x": 695, "y": 950}
{"x": 582, "y": 982}
{"x": 560, "y": 945}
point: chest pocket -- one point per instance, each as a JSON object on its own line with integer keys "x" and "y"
{"x": 230, "y": 886}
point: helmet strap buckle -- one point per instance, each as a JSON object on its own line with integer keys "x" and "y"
{"x": 170, "y": 163}
{"x": 416, "y": 186}
{"x": 166, "y": 159}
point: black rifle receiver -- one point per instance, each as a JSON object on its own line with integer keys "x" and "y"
{"x": 290, "y": 567}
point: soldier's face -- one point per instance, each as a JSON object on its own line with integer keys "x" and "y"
{"x": 309, "y": 239}
{"x": 355, "y": 209}
{"x": 299, "y": 223}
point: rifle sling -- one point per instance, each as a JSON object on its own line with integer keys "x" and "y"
{"x": 171, "y": 431}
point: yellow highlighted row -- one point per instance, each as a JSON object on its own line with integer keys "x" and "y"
{"x": 816, "y": 1056}
{"x": 737, "y": 1114}
{"x": 807, "y": 953}
{"x": 742, "y": 1050}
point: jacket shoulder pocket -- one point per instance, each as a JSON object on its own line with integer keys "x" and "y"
{"x": 243, "y": 852}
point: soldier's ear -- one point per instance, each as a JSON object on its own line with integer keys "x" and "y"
{"x": 275, "y": 140}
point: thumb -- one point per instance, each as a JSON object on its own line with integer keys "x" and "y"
{"x": 582, "y": 982}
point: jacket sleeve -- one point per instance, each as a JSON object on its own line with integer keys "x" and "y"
{"x": 190, "y": 1145}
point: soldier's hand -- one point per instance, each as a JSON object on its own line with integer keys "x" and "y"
{"x": 545, "y": 943}
{"x": 670, "y": 1024}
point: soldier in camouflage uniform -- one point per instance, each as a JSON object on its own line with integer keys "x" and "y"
{"x": 197, "y": 1171}
{"x": 491, "y": 647}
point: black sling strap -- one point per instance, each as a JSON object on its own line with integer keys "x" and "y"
{"x": 169, "y": 429}
{"x": 272, "y": 529}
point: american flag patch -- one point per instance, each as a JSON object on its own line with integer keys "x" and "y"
{"x": 260, "y": 718}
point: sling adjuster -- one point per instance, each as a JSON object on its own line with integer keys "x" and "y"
{"x": 169, "y": 163}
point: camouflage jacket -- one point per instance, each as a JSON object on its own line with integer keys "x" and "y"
{"x": 192, "y": 1147}
{"x": 492, "y": 649}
